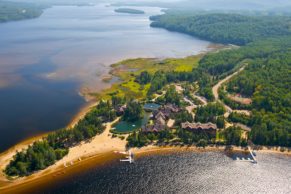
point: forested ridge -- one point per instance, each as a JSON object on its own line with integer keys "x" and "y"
{"x": 225, "y": 28}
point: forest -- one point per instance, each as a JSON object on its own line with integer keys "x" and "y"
{"x": 267, "y": 81}
{"x": 224, "y": 28}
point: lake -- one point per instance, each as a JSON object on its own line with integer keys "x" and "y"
{"x": 185, "y": 172}
{"x": 46, "y": 62}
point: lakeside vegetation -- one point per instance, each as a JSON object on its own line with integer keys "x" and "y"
{"x": 129, "y": 72}
{"x": 12, "y": 11}
{"x": 129, "y": 10}
{"x": 55, "y": 146}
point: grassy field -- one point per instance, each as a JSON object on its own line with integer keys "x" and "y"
{"x": 127, "y": 70}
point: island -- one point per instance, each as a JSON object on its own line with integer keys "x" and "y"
{"x": 129, "y": 10}
{"x": 231, "y": 98}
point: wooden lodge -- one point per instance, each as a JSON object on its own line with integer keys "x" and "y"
{"x": 160, "y": 118}
{"x": 208, "y": 128}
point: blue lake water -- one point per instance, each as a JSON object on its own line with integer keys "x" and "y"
{"x": 188, "y": 172}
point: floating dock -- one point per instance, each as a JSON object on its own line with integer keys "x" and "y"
{"x": 129, "y": 157}
{"x": 248, "y": 159}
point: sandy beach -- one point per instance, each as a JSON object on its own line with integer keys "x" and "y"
{"x": 99, "y": 151}
{"x": 101, "y": 144}
{"x": 7, "y": 155}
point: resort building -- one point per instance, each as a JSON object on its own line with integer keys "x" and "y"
{"x": 208, "y": 128}
{"x": 153, "y": 128}
{"x": 120, "y": 109}
{"x": 172, "y": 108}
{"x": 160, "y": 118}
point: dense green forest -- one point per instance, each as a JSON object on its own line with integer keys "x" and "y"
{"x": 55, "y": 146}
{"x": 225, "y": 28}
{"x": 209, "y": 113}
{"x": 267, "y": 81}
{"x": 133, "y": 111}
{"x": 11, "y": 11}
{"x": 266, "y": 57}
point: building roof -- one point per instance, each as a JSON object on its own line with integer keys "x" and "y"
{"x": 160, "y": 121}
{"x": 159, "y": 115}
{"x": 173, "y": 108}
{"x": 243, "y": 127}
{"x": 153, "y": 128}
{"x": 198, "y": 125}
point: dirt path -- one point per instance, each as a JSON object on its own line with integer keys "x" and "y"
{"x": 218, "y": 85}
{"x": 215, "y": 90}
{"x": 202, "y": 99}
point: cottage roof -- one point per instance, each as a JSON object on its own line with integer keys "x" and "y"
{"x": 153, "y": 128}
{"x": 160, "y": 121}
{"x": 159, "y": 115}
{"x": 198, "y": 125}
{"x": 172, "y": 108}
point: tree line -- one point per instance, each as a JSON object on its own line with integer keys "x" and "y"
{"x": 224, "y": 28}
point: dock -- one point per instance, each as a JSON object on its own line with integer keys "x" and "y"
{"x": 252, "y": 154}
{"x": 249, "y": 159}
{"x": 128, "y": 155}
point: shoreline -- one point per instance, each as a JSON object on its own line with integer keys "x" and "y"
{"x": 91, "y": 102}
{"x": 8, "y": 154}
{"x": 58, "y": 171}
{"x": 99, "y": 145}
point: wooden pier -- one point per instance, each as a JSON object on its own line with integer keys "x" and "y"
{"x": 249, "y": 159}
{"x": 128, "y": 155}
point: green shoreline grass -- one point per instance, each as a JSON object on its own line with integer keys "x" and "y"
{"x": 126, "y": 71}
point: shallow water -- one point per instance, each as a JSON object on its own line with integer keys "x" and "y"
{"x": 187, "y": 172}
{"x": 45, "y": 61}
